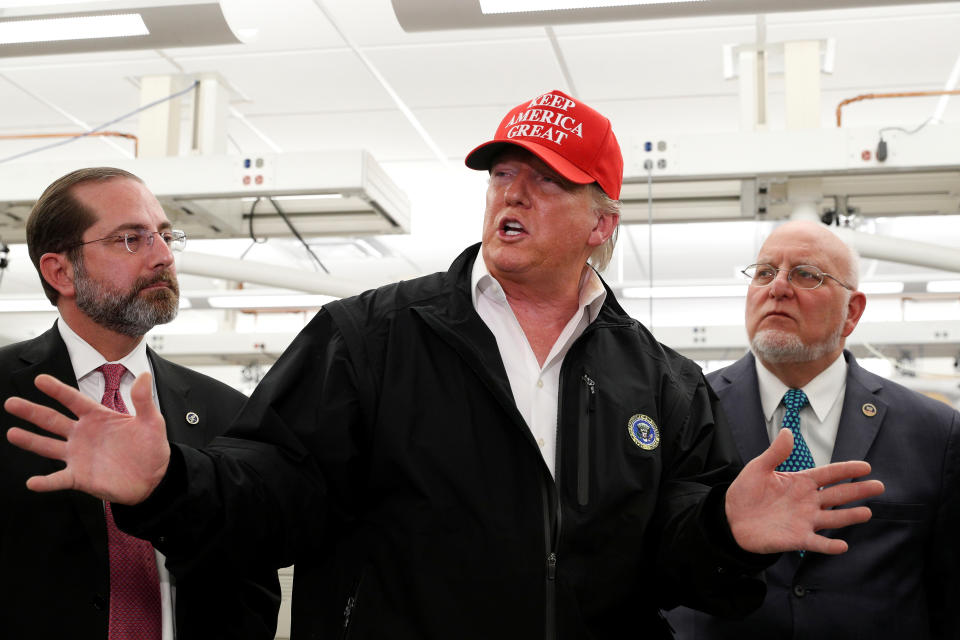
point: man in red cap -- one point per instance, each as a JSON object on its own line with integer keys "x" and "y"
{"x": 498, "y": 451}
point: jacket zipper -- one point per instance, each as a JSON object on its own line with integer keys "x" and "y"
{"x": 350, "y": 608}
{"x": 553, "y": 518}
{"x": 587, "y": 399}
{"x": 551, "y": 535}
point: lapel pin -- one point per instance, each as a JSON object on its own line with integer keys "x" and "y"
{"x": 192, "y": 417}
{"x": 869, "y": 410}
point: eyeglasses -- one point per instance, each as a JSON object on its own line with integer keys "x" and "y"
{"x": 136, "y": 238}
{"x": 802, "y": 276}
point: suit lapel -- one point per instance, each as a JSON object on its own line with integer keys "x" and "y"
{"x": 45, "y": 354}
{"x": 858, "y": 430}
{"x": 183, "y": 411}
{"x": 739, "y": 394}
{"x": 48, "y": 354}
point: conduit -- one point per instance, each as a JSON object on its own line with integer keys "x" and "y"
{"x": 904, "y": 94}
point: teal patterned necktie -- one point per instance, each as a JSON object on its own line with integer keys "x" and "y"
{"x": 795, "y": 400}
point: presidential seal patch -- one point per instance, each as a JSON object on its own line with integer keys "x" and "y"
{"x": 644, "y": 432}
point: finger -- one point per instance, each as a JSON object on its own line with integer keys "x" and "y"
{"x": 44, "y": 417}
{"x": 828, "y": 546}
{"x": 838, "y": 471}
{"x": 846, "y": 492}
{"x": 778, "y": 451}
{"x": 57, "y": 481}
{"x": 837, "y": 518}
{"x": 68, "y": 396}
{"x": 142, "y": 395}
{"x": 36, "y": 443}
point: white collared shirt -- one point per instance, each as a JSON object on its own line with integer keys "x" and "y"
{"x": 819, "y": 420}
{"x": 86, "y": 360}
{"x": 535, "y": 388}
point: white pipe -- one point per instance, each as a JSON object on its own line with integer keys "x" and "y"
{"x": 921, "y": 254}
{"x": 211, "y": 266}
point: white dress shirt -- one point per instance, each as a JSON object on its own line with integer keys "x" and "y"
{"x": 535, "y": 388}
{"x": 86, "y": 360}
{"x": 820, "y": 419}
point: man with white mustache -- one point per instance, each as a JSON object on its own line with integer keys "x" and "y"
{"x": 899, "y": 579}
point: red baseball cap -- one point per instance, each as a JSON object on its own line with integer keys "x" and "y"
{"x": 575, "y": 140}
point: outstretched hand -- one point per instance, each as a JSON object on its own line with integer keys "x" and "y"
{"x": 113, "y": 456}
{"x": 770, "y": 511}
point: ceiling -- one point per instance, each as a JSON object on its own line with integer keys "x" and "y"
{"x": 338, "y": 74}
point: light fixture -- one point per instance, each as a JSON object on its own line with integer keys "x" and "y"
{"x": 163, "y": 24}
{"x": 285, "y": 301}
{"x": 881, "y": 288}
{"x": 329, "y": 193}
{"x": 519, "y": 6}
{"x": 26, "y": 305}
{"x": 39, "y": 304}
{"x": 943, "y": 286}
{"x": 687, "y": 200}
{"x": 433, "y": 15}
{"x": 696, "y": 291}
{"x": 75, "y": 28}
{"x": 11, "y": 4}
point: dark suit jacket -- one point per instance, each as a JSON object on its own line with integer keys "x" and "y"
{"x": 54, "y": 573}
{"x": 899, "y": 578}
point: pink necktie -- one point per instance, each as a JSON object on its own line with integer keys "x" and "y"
{"x": 134, "y": 583}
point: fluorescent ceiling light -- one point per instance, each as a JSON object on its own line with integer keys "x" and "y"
{"x": 117, "y": 25}
{"x": 25, "y": 305}
{"x": 706, "y": 291}
{"x": 32, "y": 305}
{"x": 76, "y": 28}
{"x": 881, "y": 287}
{"x": 943, "y": 286}
{"x": 295, "y": 301}
{"x": 520, "y": 6}
{"x": 10, "y": 4}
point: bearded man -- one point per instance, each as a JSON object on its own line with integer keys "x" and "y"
{"x": 899, "y": 578}
{"x": 103, "y": 247}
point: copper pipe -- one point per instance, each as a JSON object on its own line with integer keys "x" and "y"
{"x": 114, "y": 134}
{"x": 906, "y": 94}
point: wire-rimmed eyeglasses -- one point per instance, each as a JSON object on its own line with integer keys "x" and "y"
{"x": 135, "y": 238}
{"x": 802, "y": 276}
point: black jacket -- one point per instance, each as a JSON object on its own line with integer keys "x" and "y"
{"x": 383, "y": 453}
{"x": 53, "y": 546}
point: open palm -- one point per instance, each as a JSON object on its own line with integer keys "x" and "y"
{"x": 111, "y": 455}
{"x": 770, "y": 511}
